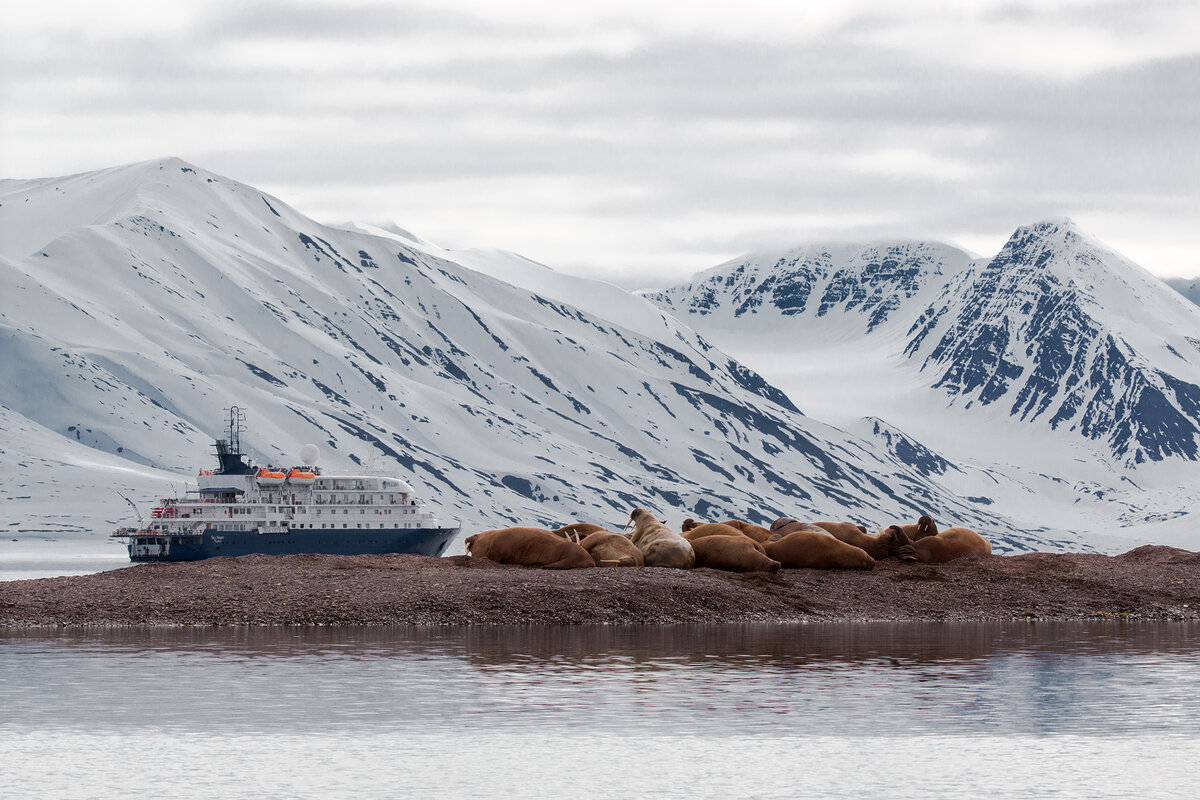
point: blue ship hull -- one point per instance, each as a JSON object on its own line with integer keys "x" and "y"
{"x": 352, "y": 542}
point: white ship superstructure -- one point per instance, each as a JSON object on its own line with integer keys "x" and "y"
{"x": 239, "y": 509}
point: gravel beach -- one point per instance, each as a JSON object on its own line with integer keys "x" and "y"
{"x": 1151, "y": 582}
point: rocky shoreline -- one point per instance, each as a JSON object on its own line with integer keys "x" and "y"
{"x": 1148, "y": 583}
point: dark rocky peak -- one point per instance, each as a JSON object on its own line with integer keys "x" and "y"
{"x": 872, "y": 279}
{"x": 1041, "y": 330}
{"x": 1035, "y": 247}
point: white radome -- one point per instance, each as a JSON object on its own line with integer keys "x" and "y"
{"x": 309, "y": 454}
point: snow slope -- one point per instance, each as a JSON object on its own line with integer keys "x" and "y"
{"x": 597, "y": 298}
{"x": 141, "y": 301}
{"x": 1188, "y": 287}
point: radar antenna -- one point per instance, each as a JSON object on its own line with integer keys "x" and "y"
{"x": 236, "y": 418}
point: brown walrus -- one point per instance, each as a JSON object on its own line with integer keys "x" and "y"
{"x": 610, "y": 549}
{"x": 660, "y": 546}
{"x": 877, "y": 546}
{"x": 709, "y": 529}
{"x": 698, "y": 530}
{"x": 576, "y": 531}
{"x": 923, "y": 527}
{"x": 756, "y": 532}
{"x": 733, "y": 553}
{"x": 817, "y": 551}
{"x": 945, "y": 546}
{"x": 785, "y": 525}
{"x": 529, "y": 546}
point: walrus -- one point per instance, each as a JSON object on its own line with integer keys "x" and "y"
{"x": 923, "y": 527}
{"x": 756, "y": 532}
{"x": 877, "y": 546}
{"x": 817, "y": 551}
{"x": 576, "y": 531}
{"x": 660, "y": 546}
{"x": 708, "y": 529}
{"x": 785, "y": 525}
{"x": 733, "y": 553}
{"x": 944, "y": 546}
{"x": 610, "y": 549}
{"x": 698, "y": 530}
{"x": 529, "y": 546}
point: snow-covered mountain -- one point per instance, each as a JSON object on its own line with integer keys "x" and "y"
{"x": 141, "y": 301}
{"x": 1065, "y": 377}
{"x": 1057, "y": 328}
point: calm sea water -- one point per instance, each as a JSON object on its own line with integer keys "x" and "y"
{"x": 27, "y": 558}
{"x": 863, "y": 711}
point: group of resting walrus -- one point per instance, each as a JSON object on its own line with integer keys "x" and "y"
{"x": 731, "y": 545}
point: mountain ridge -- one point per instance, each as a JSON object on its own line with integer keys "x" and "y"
{"x": 1055, "y": 357}
{"x": 506, "y": 406}
{"x": 958, "y": 313}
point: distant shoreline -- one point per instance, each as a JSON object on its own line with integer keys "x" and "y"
{"x": 1149, "y": 583}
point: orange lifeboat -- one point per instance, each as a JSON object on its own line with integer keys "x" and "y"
{"x": 269, "y": 477}
{"x": 301, "y": 477}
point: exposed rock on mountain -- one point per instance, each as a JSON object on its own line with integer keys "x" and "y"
{"x": 141, "y": 301}
{"x": 1058, "y": 359}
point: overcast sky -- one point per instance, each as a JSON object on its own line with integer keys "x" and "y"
{"x": 639, "y": 144}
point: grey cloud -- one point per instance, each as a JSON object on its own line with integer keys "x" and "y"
{"x": 279, "y": 20}
{"x": 1122, "y": 139}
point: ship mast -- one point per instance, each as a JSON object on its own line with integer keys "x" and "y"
{"x": 229, "y": 449}
{"x": 236, "y": 418}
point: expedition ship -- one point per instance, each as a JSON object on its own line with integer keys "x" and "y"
{"x": 239, "y": 509}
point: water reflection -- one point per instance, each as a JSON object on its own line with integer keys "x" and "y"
{"x": 551, "y": 646}
{"x": 750, "y": 680}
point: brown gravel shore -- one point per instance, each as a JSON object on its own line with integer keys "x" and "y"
{"x": 1151, "y": 582}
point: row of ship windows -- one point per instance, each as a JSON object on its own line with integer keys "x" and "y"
{"x": 284, "y": 501}
{"x": 344, "y": 485}
{"x": 344, "y": 511}
{"x": 344, "y": 525}
{"x": 242, "y": 527}
{"x": 275, "y": 510}
{"x": 322, "y": 498}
